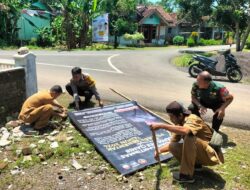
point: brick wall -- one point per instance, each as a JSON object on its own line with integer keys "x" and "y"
{"x": 12, "y": 92}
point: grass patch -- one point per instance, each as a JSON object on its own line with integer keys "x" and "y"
{"x": 183, "y": 60}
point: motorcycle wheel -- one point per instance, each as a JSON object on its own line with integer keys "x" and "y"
{"x": 234, "y": 74}
{"x": 192, "y": 70}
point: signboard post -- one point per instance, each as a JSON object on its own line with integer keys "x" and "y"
{"x": 121, "y": 134}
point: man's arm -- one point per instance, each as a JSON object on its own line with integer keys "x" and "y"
{"x": 56, "y": 103}
{"x": 202, "y": 109}
{"x": 227, "y": 98}
{"x": 75, "y": 94}
{"x": 179, "y": 130}
{"x": 97, "y": 95}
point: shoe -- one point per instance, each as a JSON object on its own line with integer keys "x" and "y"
{"x": 198, "y": 167}
{"x": 182, "y": 178}
{"x": 72, "y": 104}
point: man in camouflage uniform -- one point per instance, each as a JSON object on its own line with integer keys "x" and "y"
{"x": 209, "y": 94}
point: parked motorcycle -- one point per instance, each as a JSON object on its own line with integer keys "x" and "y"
{"x": 201, "y": 63}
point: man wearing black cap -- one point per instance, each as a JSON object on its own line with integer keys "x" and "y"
{"x": 194, "y": 150}
{"x": 209, "y": 94}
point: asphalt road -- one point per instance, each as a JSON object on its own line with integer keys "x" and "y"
{"x": 144, "y": 75}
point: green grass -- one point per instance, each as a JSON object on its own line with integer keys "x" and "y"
{"x": 183, "y": 60}
{"x": 233, "y": 174}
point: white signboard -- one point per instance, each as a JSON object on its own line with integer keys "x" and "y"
{"x": 100, "y": 26}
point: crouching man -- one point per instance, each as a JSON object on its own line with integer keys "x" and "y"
{"x": 40, "y": 107}
{"x": 82, "y": 84}
{"x": 194, "y": 151}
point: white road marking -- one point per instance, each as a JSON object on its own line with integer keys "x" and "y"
{"x": 111, "y": 65}
{"x": 65, "y": 54}
{"x": 67, "y": 66}
{"x": 115, "y": 70}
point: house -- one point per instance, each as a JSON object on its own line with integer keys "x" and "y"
{"x": 159, "y": 26}
{"x": 33, "y": 19}
{"x": 156, "y": 24}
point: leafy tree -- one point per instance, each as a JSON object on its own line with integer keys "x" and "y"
{"x": 10, "y": 11}
{"x": 168, "y": 5}
{"x": 121, "y": 17}
{"x": 233, "y": 16}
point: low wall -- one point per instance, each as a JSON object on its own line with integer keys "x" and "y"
{"x": 12, "y": 91}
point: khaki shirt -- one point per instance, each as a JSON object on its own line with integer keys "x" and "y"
{"x": 201, "y": 130}
{"x": 198, "y": 128}
{"x": 35, "y": 101}
{"x": 86, "y": 83}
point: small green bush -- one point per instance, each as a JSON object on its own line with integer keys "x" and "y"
{"x": 210, "y": 42}
{"x": 202, "y": 42}
{"x": 178, "y": 40}
{"x": 190, "y": 42}
{"x": 135, "y": 38}
{"x": 3, "y": 42}
{"x": 33, "y": 42}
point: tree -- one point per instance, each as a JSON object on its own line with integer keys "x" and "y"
{"x": 168, "y": 5}
{"x": 233, "y": 16}
{"x": 77, "y": 16}
{"x": 10, "y": 11}
{"x": 121, "y": 17}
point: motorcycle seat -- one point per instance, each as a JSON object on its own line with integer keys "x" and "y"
{"x": 208, "y": 60}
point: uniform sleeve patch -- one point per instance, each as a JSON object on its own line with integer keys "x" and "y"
{"x": 224, "y": 92}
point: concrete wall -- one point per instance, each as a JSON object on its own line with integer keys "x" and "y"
{"x": 153, "y": 19}
{"x": 12, "y": 91}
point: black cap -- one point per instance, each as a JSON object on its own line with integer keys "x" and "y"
{"x": 176, "y": 108}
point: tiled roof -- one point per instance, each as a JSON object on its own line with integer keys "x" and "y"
{"x": 146, "y": 11}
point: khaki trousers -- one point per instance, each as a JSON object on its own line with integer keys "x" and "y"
{"x": 193, "y": 151}
{"x": 40, "y": 116}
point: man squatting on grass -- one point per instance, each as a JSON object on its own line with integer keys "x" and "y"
{"x": 209, "y": 94}
{"x": 40, "y": 107}
{"x": 82, "y": 84}
{"x": 195, "y": 150}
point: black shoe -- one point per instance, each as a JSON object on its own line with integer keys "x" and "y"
{"x": 182, "y": 178}
{"x": 72, "y": 104}
{"x": 198, "y": 167}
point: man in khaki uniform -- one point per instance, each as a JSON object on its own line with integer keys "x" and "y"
{"x": 82, "y": 84}
{"x": 195, "y": 149}
{"x": 40, "y": 107}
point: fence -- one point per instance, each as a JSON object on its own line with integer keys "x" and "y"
{"x": 18, "y": 81}
{"x": 6, "y": 64}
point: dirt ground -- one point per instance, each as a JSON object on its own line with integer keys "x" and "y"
{"x": 53, "y": 175}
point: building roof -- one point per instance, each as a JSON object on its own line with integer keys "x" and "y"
{"x": 146, "y": 11}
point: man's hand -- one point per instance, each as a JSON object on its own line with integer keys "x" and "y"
{"x": 76, "y": 98}
{"x": 100, "y": 103}
{"x": 156, "y": 156}
{"x": 203, "y": 110}
{"x": 220, "y": 112}
{"x": 153, "y": 126}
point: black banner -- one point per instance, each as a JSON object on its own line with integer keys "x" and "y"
{"x": 120, "y": 133}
